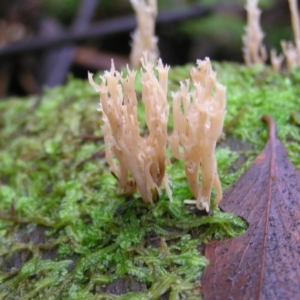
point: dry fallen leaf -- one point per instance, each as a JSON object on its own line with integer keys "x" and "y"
{"x": 263, "y": 263}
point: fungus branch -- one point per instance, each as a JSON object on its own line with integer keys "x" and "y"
{"x": 140, "y": 160}
{"x": 290, "y": 50}
{"x": 144, "y": 39}
{"x": 198, "y": 123}
{"x": 254, "y": 50}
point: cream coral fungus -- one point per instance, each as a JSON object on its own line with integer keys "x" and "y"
{"x": 276, "y": 60}
{"x": 254, "y": 50}
{"x": 140, "y": 160}
{"x": 291, "y": 50}
{"x": 144, "y": 39}
{"x": 198, "y": 123}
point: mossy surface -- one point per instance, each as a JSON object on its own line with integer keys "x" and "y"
{"x": 65, "y": 232}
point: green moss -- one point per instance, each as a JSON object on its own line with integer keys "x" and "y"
{"x": 65, "y": 231}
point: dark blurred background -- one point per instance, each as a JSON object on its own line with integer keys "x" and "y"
{"x": 42, "y": 41}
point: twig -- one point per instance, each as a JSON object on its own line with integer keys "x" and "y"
{"x": 98, "y": 154}
{"x": 90, "y": 137}
{"x": 59, "y": 60}
{"x": 100, "y": 29}
{"x": 36, "y": 220}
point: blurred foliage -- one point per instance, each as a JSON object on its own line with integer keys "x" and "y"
{"x": 208, "y": 39}
{"x": 65, "y": 10}
{"x": 217, "y": 35}
{"x": 262, "y": 3}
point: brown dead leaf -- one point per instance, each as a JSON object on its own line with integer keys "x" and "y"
{"x": 263, "y": 263}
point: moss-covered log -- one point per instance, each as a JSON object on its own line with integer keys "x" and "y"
{"x": 65, "y": 232}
